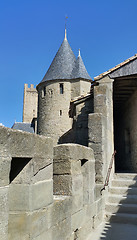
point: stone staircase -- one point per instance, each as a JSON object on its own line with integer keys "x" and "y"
{"x": 121, "y": 206}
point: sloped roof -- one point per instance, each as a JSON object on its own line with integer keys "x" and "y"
{"x": 62, "y": 64}
{"x": 27, "y": 127}
{"x": 79, "y": 71}
{"x": 116, "y": 67}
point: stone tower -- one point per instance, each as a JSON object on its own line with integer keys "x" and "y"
{"x": 30, "y": 103}
{"x": 65, "y": 79}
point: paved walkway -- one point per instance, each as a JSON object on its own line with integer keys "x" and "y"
{"x": 114, "y": 231}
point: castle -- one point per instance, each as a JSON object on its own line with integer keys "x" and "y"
{"x": 52, "y": 182}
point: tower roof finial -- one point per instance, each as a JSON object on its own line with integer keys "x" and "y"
{"x": 65, "y": 28}
{"x": 79, "y": 52}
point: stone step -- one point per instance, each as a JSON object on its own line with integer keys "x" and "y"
{"x": 123, "y": 190}
{"x": 123, "y": 183}
{"x": 121, "y": 208}
{"x": 130, "y": 176}
{"x": 131, "y": 199}
{"x": 121, "y": 218}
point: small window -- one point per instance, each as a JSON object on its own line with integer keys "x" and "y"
{"x": 60, "y": 112}
{"x": 61, "y": 88}
{"x": 44, "y": 91}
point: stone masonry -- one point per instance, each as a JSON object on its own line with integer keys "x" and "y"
{"x": 46, "y": 193}
{"x": 30, "y": 103}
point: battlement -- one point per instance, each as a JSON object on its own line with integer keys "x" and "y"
{"x": 31, "y": 88}
{"x": 30, "y": 103}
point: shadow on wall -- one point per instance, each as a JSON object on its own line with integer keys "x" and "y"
{"x": 17, "y": 165}
{"x": 124, "y": 213}
{"x": 79, "y": 131}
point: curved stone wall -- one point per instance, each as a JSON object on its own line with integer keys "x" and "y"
{"x": 53, "y": 108}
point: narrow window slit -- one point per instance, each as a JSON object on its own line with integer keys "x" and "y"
{"x": 61, "y": 88}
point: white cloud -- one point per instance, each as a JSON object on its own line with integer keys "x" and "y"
{"x": 1, "y": 124}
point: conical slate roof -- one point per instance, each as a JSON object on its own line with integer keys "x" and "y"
{"x": 79, "y": 70}
{"x": 62, "y": 64}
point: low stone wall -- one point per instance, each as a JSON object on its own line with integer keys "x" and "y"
{"x": 45, "y": 195}
{"x": 26, "y": 182}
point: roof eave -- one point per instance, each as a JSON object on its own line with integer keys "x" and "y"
{"x": 99, "y": 77}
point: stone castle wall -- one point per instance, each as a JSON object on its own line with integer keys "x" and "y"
{"x": 30, "y": 103}
{"x": 46, "y": 194}
{"x": 100, "y": 124}
{"x": 53, "y": 107}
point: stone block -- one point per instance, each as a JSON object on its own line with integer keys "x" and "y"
{"x": 90, "y": 211}
{"x": 41, "y": 194}
{"x": 19, "y": 197}
{"x": 4, "y": 213}
{"x": 77, "y": 202}
{"x": 3, "y": 226}
{"x": 77, "y": 184}
{"x": 67, "y": 167}
{"x": 85, "y": 230}
{"x": 97, "y": 147}
{"x": 100, "y": 204}
{"x": 62, "y": 230}
{"x": 44, "y": 235}
{"x": 62, "y": 184}
{"x": 100, "y": 90}
{"x": 43, "y": 147}
{"x": 41, "y": 221}
{"x": 95, "y": 127}
{"x": 98, "y": 219}
{"x": 72, "y": 152}
{"x": 40, "y": 163}
{"x": 30, "y": 197}
{"x": 91, "y": 195}
{"x": 98, "y": 192}
{"x": 99, "y": 99}
{"x": 45, "y": 173}
{"x": 5, "y": 163}
{"x": 19, "y": 226}
{"x": 4, "y": 137}
{"x": 61, "y": 209}
{"x": 20, "y": 144}
{"x": 4, "y": 199}
{"x": 77, "y": 219}
{"x": 71, "y": 237}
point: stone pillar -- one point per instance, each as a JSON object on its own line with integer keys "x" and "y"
{"x": 74, "y": 176}
{"x": 96, "y": 142}
{"x": 101, "y": 127}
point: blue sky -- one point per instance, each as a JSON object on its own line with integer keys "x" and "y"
{"x": 31, "y": 31}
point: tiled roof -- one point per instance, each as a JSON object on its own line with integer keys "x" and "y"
{"x": 116, "y": 67}
{"x": 82, "y": 97}
{"x": 79, "y": 70}
{"x": 27, "y": 127}
{"x": 62, "y": 64}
